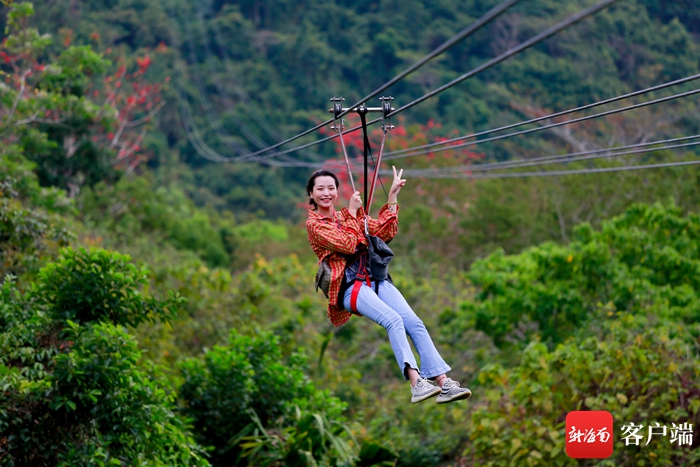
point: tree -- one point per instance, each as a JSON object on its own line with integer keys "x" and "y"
{"x": 53, "y": 112}
{"x": 74, "y": 392}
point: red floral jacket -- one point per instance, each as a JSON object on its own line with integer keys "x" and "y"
{"x": 330, "y": 240}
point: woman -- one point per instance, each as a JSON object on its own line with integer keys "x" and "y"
{"x": 338, "y": 237}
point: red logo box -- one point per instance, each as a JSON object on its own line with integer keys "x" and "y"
{"x": 589, "y": 434}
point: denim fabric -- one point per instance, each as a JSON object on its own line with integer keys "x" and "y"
{"x": 390, "y": 310}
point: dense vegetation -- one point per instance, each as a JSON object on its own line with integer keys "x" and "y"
{"x": 157, "y": 309}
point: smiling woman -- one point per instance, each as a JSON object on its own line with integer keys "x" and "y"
{"x": 340, "y": 239}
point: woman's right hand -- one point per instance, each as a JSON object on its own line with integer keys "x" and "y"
{"x": 355, "y": 203}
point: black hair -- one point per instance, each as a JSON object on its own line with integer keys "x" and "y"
{"x": 312, "y": 181}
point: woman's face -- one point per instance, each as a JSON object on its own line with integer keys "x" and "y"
{"x": 325, "y": 192}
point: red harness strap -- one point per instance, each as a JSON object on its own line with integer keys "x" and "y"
{"x": 361, "y": 275}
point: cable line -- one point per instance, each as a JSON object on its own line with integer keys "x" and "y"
{"x": 244, "y": 127}
{"x": 209, "y": 111}
{"x": 431, "y": 148}
{"x": 540, "y": 37}
{"x": 583, "y": 156}
{"x": 558, "y": 159}
{"x": 493, "y": 13}
{"x": 231, "y": 74}
{"x": 553, "y": 125}
{"x": 509, "y": 53}
{"x": 548, "y": 117}
{"x": 565, "y": 172}
{"x": 189, "y": 125}
{"x": 464, "y": 33}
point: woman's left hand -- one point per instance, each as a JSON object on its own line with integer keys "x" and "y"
{"x": 397, "y": 184}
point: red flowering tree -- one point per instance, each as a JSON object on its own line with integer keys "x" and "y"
{"x": 79, "y": 124}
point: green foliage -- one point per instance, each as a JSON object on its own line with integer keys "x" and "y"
{"x": 26, "y": 235}
{"x": 74, "y": 394}
{"x": 314, "y": 441}
{"x": 603, "y": 320}
{"x": 232, "y": 390}
{"x": 644, "y": 261}
{"x": 73, "y": 71}
{"x": 624, "y": 369}
{"x": 135, "y": 207}
{"x": 99, "y": 285}
{"x": 61, "y": 147}
{"x": 15, "y": 167}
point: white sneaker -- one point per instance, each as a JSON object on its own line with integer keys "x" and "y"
{"x": 423, "y": 390}
{"x": 452, "y": 392}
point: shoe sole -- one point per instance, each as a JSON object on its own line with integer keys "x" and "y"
{"x": 415, "y": 400}
{"x": 456, "y": 397}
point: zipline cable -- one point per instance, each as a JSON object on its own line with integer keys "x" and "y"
{"x": 567, "y": 172}
{"x": 185, "y": 111}
{"x": 558, "y": 159}
{"x": 232, "y": 75}
{"x": 464, "y": 33}
{"x": 553, "y": 125}
{"x": 244, "y": 127}
{"x": 393, "y": 155}
{"x": 230, "y": 106}
{"x": 493, "y": 13}
{"x": 226, "y": 137}
{"x": 509, "y": 53}
{"x": 546, "y": 117}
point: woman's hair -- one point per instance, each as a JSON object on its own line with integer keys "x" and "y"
{"x": 312, "y": 182}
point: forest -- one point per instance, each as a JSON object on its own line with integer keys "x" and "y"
{"x": 157, "y": 301}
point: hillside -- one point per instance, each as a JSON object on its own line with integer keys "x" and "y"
{"x": 157, "y": 308}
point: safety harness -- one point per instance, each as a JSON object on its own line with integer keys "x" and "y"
{"x": 377, "y": 251}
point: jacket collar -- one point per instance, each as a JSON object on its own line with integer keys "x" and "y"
{"x": 317, "y": 215}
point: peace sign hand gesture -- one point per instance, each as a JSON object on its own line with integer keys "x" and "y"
{"x": 396, "y": 185}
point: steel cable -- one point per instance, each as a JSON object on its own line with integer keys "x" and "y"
{"x": 509, "y": 53}
{"x": 493, "y": 13}
{"x": 553, "y": 125}
{"x": 559, "y": 158}
{"x": 564, "y": 172}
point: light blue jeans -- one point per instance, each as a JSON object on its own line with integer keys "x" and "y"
{"x": 390, "y": 310}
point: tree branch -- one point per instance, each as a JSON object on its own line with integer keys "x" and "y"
{"x": 141, "y": 120}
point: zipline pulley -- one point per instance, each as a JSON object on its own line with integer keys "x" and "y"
{"x": 386, "y": 111}
{"x": 337, "y": 110}
{"x": 362, "y": 110}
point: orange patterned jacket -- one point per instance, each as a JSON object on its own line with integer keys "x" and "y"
{"x": 330, "y": 240}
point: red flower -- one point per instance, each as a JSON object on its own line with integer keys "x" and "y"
{"x": 143, "y": 63}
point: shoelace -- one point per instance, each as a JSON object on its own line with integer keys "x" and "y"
{"x": 450, "y": 383}
{"x": 422, "y": 382}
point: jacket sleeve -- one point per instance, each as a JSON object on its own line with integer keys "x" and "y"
{"x": 328, "y": 236}
{"x": 387, "y": 224}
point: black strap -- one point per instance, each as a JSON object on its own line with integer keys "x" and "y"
{"x": 367, "y": 152}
